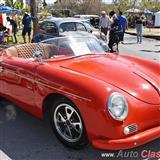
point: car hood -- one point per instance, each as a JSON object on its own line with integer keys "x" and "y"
{"x": 120, "y": 73}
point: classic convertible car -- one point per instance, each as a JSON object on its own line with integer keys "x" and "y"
{"x": 112, "y": 101}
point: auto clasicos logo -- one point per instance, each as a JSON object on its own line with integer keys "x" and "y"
{"x": 145, "y": 154}
{"x": 150, "y": 154}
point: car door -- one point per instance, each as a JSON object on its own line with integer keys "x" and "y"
{"x": 19, "y": 81}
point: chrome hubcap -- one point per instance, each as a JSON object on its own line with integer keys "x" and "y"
{"x": 68, "y": 122}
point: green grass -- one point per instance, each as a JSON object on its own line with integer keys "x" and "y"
{"x": 19, "y": 37}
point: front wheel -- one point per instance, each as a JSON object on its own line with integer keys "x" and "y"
{"x": 67, "y": 124}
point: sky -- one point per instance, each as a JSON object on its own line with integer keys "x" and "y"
{"x": 50, "y": 1}
{"x": 107, "y": 1}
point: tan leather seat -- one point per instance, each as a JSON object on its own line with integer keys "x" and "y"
{"x": 27, "y": 50}
{"x": 23, "y": 50}
{"x": 12, "y": 51}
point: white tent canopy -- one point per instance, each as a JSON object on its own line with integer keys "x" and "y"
{"x": 133, "y": 10}
{"x": 157, "y": 19}
{"x": 147, "y": 12}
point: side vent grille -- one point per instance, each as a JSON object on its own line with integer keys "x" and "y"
{"x": 130, "y": 129}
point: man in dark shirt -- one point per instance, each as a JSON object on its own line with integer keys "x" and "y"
{"x": 27, "y": 27}
{"x": 14, "y": 28}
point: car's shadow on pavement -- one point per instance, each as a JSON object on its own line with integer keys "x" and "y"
{"x": 150, "y": 51}
{"x": 24, "y": 137}
{"x": 129, "y": 43}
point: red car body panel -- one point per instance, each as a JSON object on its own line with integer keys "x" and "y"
{"x": 129, "y": 142}
{"x": 88, "y": 81}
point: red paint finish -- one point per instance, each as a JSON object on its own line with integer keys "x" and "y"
{"x": 129, "y": 142}
{"x": 88, "y": 81}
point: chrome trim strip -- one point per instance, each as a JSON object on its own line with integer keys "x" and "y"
{"x": 24, "y": 77}
{"x": 83, "y": 98}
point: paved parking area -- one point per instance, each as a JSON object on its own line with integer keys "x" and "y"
{"x": 24, "y": 137}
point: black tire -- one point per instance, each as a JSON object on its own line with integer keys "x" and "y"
{"x": 56, "y": 110}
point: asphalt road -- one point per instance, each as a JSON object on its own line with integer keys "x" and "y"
{"x": 149, "y": 49}
{"x": 24, "y": 137}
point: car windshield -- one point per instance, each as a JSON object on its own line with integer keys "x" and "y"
{"x": 70, "y": 46}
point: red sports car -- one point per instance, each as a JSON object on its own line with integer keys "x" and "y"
{"x": 112, "y": 101}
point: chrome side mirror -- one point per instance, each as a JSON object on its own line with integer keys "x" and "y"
{"x": 38, "y": 56}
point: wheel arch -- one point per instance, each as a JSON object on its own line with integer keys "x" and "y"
{"x": 48, "y": 101}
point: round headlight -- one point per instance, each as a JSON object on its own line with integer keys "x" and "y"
{"x": 117, "y": 106}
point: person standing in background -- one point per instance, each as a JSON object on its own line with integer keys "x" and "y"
{"x": 123, "y": 23}
{"x": 27, "y": 26}
{"x": 115, "y": 31}
{"x": 14, "y": 28}
{"x": 139, "y": 29}
{"x": 104, "y": 23}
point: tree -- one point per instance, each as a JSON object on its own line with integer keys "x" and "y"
{"x": 152, "y": 5}
{"x": 123, "y": 5}
{"x": 9, "y": 3}
{"x": 15, "y": 4}
{"x": 33, "y": 10}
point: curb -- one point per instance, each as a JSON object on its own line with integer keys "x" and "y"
{"x": 157, "y": 37}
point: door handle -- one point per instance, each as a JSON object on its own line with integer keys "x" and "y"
{"x": 1, "y": 69}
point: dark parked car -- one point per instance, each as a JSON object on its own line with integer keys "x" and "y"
{"x": 55, "y": 27}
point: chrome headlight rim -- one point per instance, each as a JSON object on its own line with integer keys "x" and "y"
{"x": 124, "y": 112}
